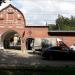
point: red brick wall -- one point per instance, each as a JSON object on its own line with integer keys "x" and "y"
{"x": 37, "y": 32}
{"x": 68, "y": 40}
{"x": 12, "y": 19}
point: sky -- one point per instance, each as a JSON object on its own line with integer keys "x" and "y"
{"x": 42, "y": 12}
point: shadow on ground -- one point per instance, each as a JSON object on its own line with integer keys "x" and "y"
{"x": 14, "y": 57}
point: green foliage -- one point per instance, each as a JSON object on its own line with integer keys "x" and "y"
{"x": 63, "y": 23}
{"x": 52, "y": 27}
{"x": 41, "y": 70}
{"x": 66, "y": 23}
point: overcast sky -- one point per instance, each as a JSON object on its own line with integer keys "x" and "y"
{"x": 38, "y": 12}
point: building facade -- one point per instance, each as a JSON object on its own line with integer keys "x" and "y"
{"x": 68, "y": 37}
{"x": 15, "y": 34}
{"x": 13, "y": 28}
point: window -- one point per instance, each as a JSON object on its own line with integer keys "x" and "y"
{"x": 55, "y": 48}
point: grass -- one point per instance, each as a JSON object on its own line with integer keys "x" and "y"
{"x": 47, "y": 70}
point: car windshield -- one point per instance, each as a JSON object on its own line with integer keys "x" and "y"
{"x": 58, "y": 48}
{"x": 55, "y": 48}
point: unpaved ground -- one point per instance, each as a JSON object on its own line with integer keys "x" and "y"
{"x": 15, "y": 57}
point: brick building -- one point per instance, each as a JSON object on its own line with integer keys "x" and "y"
{"x": 13, "y": 28}
{"x": 68, "y": 37}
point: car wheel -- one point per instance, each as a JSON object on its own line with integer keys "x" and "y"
{"x": 50, "y": 57}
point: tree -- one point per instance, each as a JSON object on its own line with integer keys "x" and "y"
{"x": 63, "y": 23}
{"x": 60, "y": 22}
{"x": 52, "y": 27}
{"x": 72, "y": 20}
{"x": 2, "y": 1}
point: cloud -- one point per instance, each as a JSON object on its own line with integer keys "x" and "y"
{"x": 37, "y": 11}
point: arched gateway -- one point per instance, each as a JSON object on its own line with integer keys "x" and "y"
{"x": 12, "y": 25}
{"x": 14, "y": 34}
{"x": 11, "y": 40}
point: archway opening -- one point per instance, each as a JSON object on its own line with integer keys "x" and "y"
{"x": 29, "y": 43}
{"x": 11, "y": 40}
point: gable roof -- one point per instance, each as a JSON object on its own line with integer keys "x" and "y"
{"x": 15, "y": 9}
{"x": 10, "y": 5}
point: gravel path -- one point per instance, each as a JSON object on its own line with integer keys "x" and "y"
{"x": 15, "y": 57}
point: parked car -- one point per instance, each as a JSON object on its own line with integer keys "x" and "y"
{"x": 58, "y": 52}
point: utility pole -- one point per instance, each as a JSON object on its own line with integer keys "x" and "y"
{"x": 46, "y": 23}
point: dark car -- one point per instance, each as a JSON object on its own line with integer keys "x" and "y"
{"x": 58, "y": 52}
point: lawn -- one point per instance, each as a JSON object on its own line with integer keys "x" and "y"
{"x": 47, "y": 70}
